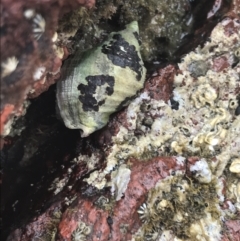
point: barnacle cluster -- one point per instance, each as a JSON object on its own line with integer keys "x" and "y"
{"x": 163, "y": 24}
{"x": 50, "y": 227}
{"x": 204, "y": 123}
{"x": 81, "y": 233}
{"x": 181, "y": 205}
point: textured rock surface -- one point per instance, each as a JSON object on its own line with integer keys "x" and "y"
{"x": 29, "y": 63}
{"x": 109, "y": 219}
{"x": 66, "y": 188}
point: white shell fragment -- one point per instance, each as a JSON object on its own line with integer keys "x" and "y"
{"x": 109, "y": 75}
{"x": 9, "y": 66}
{"x": 120, "y": 180}
{"x": 202, "y": 171}
{"x": 235, "y": 166}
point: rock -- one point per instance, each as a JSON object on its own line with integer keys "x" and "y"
{"x": 33, "y": 25}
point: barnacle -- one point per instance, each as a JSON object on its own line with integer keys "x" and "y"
{"x": 54, "y": 37}
{"x": 153, "y": 234}
{"x": 8, "y": 66}
{"x": 50, "y": 229}
{"x": 233, "y": 103}
{"x": 102, "y": 83}
{"x": 214, "y": 130}
{"x": 237, "y": 53}
{"x": 237, "y": 194}
{"x": 221, "y": 116}
{"x": 81, "y": 233}
{"x": 39, "y": 25}
{"x": 179, "y": 146}
{"x": 233, "y": 190}
{"x": 102, "y": 202}
{"x": 203, "y": 95}
{"x": 198, "y": 68}
{"x": 144, "y": 213}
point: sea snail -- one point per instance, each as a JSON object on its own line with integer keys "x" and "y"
{"x": 90, "y": 90}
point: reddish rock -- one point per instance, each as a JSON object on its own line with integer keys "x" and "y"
{"x": 234, "y": 225}
{"x": 125, "y": 211}
{"x": 86, "y": 212}
{"x": 231, "y": 25}
{"x": 220, "y": 63}
{"x": 122, "y": 220}
{"x": 236, "y": 6}
{"x": 7, "y": 110}
{"x": 233, "y": 230}
{"x": 160, "y": 86}
{"x": 31, "y": 53}
{"x": 105, "y": 224}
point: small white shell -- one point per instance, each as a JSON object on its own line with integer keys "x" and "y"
{"x": 109, "y": 75}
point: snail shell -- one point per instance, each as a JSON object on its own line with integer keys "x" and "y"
{"x": 104, "y": 81}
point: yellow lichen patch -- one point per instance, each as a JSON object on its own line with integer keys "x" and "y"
{"x": 188, "y": 208}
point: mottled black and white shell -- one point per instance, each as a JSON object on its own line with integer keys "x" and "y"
{"x": 91, "y": 90}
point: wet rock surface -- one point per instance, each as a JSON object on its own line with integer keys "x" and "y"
{"x": 58, "y": 186}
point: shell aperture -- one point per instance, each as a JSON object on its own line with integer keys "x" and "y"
{"x": 90, "y": 90}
